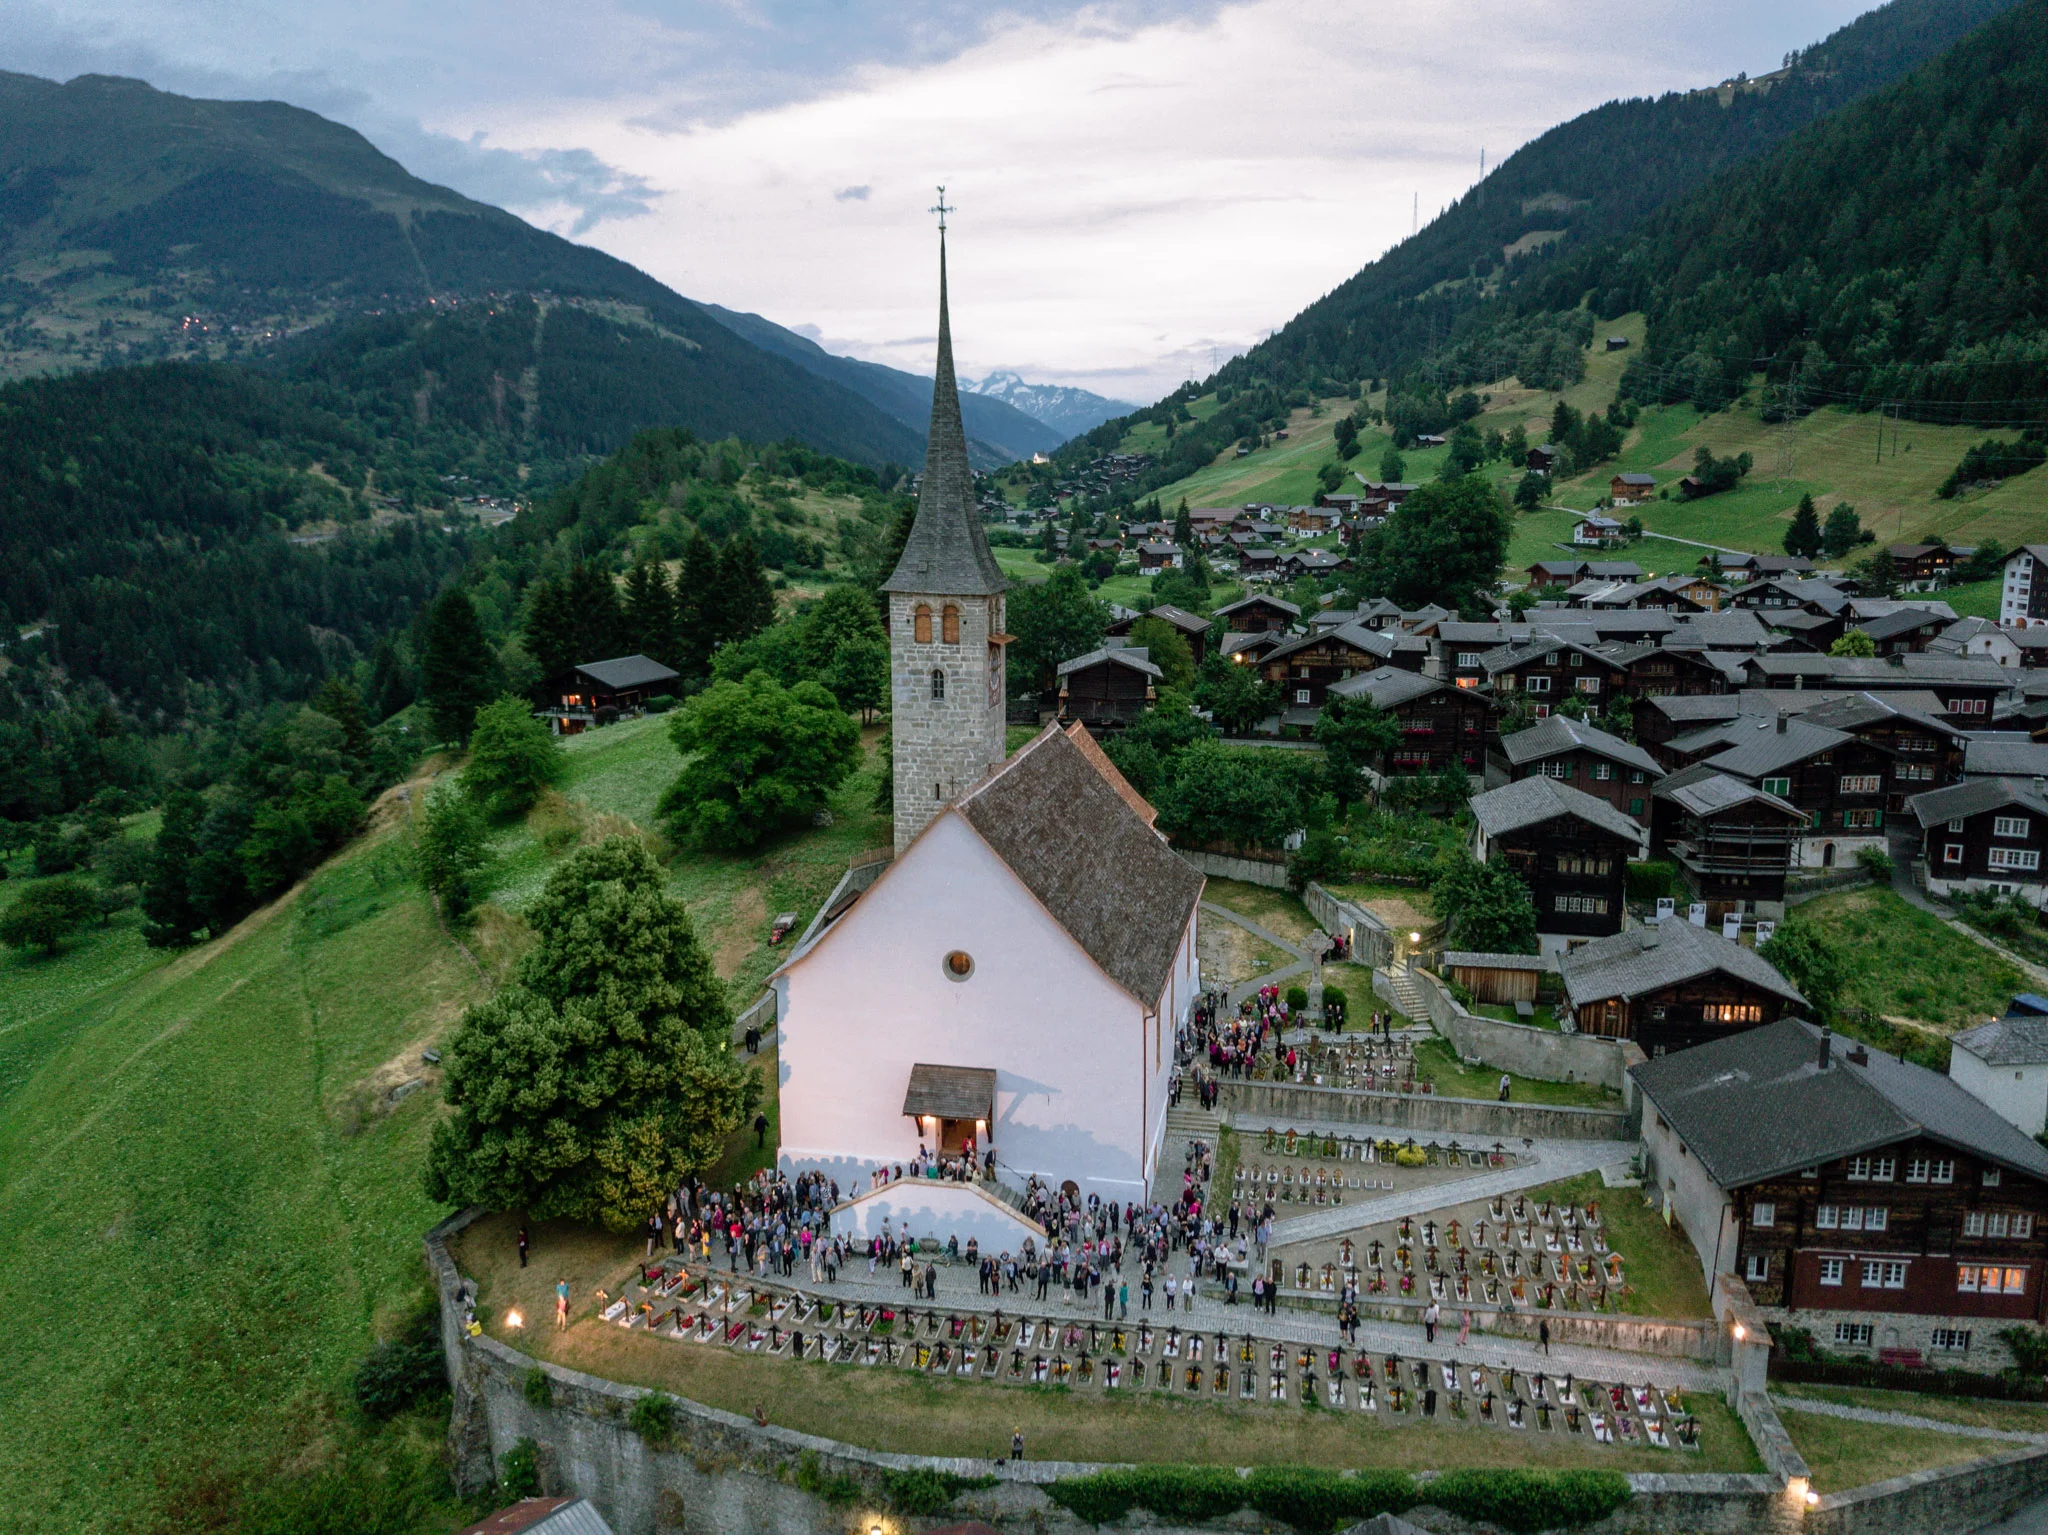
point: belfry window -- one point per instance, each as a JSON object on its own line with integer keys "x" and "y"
{"x": 938, "y": 685}
{"x": 921, "y": 625}
{"x": 950, "y": 628}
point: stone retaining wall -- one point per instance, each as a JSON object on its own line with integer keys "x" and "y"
{"x": 720, "y": 1474}
{"x": 1665, "y": 1339}
{"x": 1248, "y": 871}
{"x": 1476, "y": 1120}
{"x": 1518, "y": 1048}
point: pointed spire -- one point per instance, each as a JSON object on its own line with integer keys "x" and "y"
{"x": 947, "y": 551}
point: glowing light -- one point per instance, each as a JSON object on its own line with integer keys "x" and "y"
{"x": 1415, "y": 937}
{"x": 1812, "y": 1498}
{"x": 1741, "y": 1332}
{"x": 514, "y": 1319}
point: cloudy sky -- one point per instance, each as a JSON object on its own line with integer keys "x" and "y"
{"x": 1143, "y": 188}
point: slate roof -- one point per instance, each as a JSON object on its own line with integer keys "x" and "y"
{"x": 1104, "y": 875}
{"x": 1135, "y": 657}
{"x": 1902, "y": 621}
{"x": 1533, "y": 801}
{"x": 1476, "y": 959}
{"x": 1974, "y": 796}
{"x": 1255, "y": 639}
{"x": 1259, "y": 599}
{"x": 2009, "y": 756}
{"x": 1180, "y": 618}
{"x": 1851, "y": 672}
{"x": 1704, "y": 792}
{"x": 1735, "y": 629}
{"x": 1858, "y": 709}
{"x": 1757, "y": 746}
{"x": 1646, "y": 959}
{"x": 622, "y": 672}
{"x": 2006, "y": 1041}
{"x": 1387, "y": 687}
{"x": 543, "y": 1516}
{"x": 1757, "y": 1104}
{"x": 1561, "y": 733}
{"x": 947, "y": 552}
{"x": 1099, "y": 759}
{"x": 1371, "y": 641}
{"x": 951, "y": 1092}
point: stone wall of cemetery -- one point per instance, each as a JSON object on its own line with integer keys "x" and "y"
{"x": 1519, "y": 1048}
{"x": 720, "y": 1474}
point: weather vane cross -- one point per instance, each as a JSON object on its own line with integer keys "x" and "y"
{"x": 941, "y": 208}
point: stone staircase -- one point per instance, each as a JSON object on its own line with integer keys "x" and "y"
{"x": 1408, "y": 999}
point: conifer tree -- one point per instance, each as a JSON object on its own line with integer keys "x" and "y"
{"x": 1804, "y": 536}
{"x": 746, "y": 600}
{"x": 171, "y": 919}
{"x": 696, "y": 606}
{"x": 458, "y": 671}
{"x": 650, "y": 613}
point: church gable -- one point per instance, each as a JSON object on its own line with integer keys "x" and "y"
{"x": 1091, "y": 859}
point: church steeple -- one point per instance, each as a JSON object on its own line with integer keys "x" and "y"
{"x": 947, "y": 551}
{"x": 947, "y": 694}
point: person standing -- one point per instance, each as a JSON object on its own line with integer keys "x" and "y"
{"x": 1543, "y": 1334}
{"x": 1429, "y": 1318}
{"x": 1504, "y": 1086}
{"x": 522, "y": 1247}
{"x": 1017, "y": 1444}
{"x": 561, "y": 1304}
{"x": 1464, "y": 1327}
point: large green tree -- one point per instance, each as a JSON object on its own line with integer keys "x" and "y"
{"x": 171, "y": 918}
{"x": 47, "y": 913}
{"x": 1484, "y": 906}
{"x": 449, "y": 849}
{"x": 1355, "y": 735}
{"x": 1445, "y": 544}
{"x": 590, "y": 1087}
{"x": 1053, "y": 621}
{"x": 758, "y": 758}
{"x": 513, "y": 758}
{"x": 1811, "y": 962}
{"x": 1236, "y": 695}
{"x": 1804, "y": 537}
{"x": 458, "y": 669}
{"x": 1167, "y": 648}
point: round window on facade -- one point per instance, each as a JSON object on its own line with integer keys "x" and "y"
{"x": 959, "y": 965}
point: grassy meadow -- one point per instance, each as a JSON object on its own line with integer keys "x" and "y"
{"x": 1907, "y": 966}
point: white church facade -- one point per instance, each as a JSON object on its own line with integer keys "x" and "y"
{"x": 1016, "y": 975}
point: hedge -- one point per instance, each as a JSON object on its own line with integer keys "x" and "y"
{"x": 1316, "y": 1502}
{"x": 2004, "y": 1387}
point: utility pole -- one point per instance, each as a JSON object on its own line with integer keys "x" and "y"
{"x": 1415, "y": 221}
{"x": 1482, "y": 175}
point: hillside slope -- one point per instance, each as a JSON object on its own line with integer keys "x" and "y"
{"x": 137, "y": 224}
{"x": 1581, "y": 183}
{"x": 997, "y": 432}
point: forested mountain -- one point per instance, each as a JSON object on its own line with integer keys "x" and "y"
{"x": 997, "y": 432}
{"x": 1579, "y": 185}
{"x": 1896, "y": 252}
{"x": 138, "y": 224}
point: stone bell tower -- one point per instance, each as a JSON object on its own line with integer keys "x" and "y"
{"x": 946, "y": 636}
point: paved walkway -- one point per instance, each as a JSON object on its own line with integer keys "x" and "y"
{"x": 1303, "y": 963}
{"x": 1900, "y": 1419}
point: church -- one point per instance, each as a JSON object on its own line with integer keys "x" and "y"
{"x": 1015, "y": 975}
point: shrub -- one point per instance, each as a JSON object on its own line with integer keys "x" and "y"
{"x": 538, "y": 1390}
{"x": 1176, "y": 1492}
{"x": 1335, "y": 994}
{"x": 927, "y": 1493}
{"x": 1297, "y": 998}
{"x": 519, "y": 1472}
{"x": 653, "y": 1417}
{"x": 1876, "y": 861}
{"x": 1527, "y": 1501}
{"x": 1652, "y": 880}
{"x": 837, "y": 1489}
{"x": 402, "y": 1370}
{"x": 1318, "y": 1501}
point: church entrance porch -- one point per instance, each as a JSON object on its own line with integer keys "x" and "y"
{"x": 953, "y": 1107}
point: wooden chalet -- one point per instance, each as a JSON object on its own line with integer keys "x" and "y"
{"x": 1631, "y": 489}
{"x": 1595, "y": 529}
{"x": 1547, "y": 670}
{"x": 1259, "y": 611}
{"x": 1926, "y": 751}
{"x": 598, "y": 692}
{"x": 1672, "y": 986}
{"x": 1968, "y": 686}
{"x": 1872, "y": 1202}
{"x": 1107, "y": 689}
{"x": 1440, "y": 724}
{"x": 1306, "y": 666}
{"x": 1571, "y": 849}
{"x": 1543, "y": 458}
{"x": 1839, "y": 783}
{"x": 1590, "y": 760}
{"x": 1192, "y": 626}
{"x": 1926, "y": 566}
{"x": 1985, "y": 834}
{"x": 1153, "y": 556}
{"x": 1733, "y": 843}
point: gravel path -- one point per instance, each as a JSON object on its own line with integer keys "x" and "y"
{"x": 1900, "y": 1419}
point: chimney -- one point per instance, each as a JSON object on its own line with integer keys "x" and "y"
{"x": 1781, "y": 721}
{"x": 1859, "y": 1056}
{"x": 1827, "y": 1046}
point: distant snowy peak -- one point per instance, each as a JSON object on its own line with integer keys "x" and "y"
{"x": 1067, "y": 410}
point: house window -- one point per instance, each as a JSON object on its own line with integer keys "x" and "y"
{"x": 1582, "y": 905}
{"x": 1931, "y": 1170}
{"x": 1915, "y": 772}
{"x": 1859, "y": 820}
{"x": 1577, "y": 659}
{"x": 1883, "y": 1274}
{"x": 1871, "y": 1169}
{"x": 1603, "y": 772}
{"x": 921, "y": 624}
{"x": 1635, "y": 807}
{"x": 1944, "y": 1170}
{"x": 2023, "y": 1225}
{"x": 1468, "y": 658}
{"x": 1763, "y": 1213}
{"x": 1831, "y": 1271}
{"x": 1852, "y": 1217}
{"x": 1757, "y": 1270}
{"x": 1950, "y": 1340}
{"x": 1588, "y": 684}
{"x": 1733, "y": 1012}
{"x": 2013, "y": 826}
{"x": 1538, "y": 684}
{"x": 1973, "y": 1224}
{"x": 1876, "y": 1218}
{"x": 938, "y": 685}
{"x": 1990, "y": 1279}
{"x": 1955, "y": 826}
{"x": 1583, "y": 863}
{"x": 1992, "y": 1175}
{"x": 1952, "y": 852}
{"x": 1827, "y": 1217}
{"x": 959, "y": 965}
{"x": 1778, "y": 786}
{"x": 1966, "y": 706}
{"x": 950, "y": 624}
{"x": 1861, "y": 783}
{"x": 1853, "y": 1334}
{"x": 2020, "y": 859}
{"x": 1302, "y": 695}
